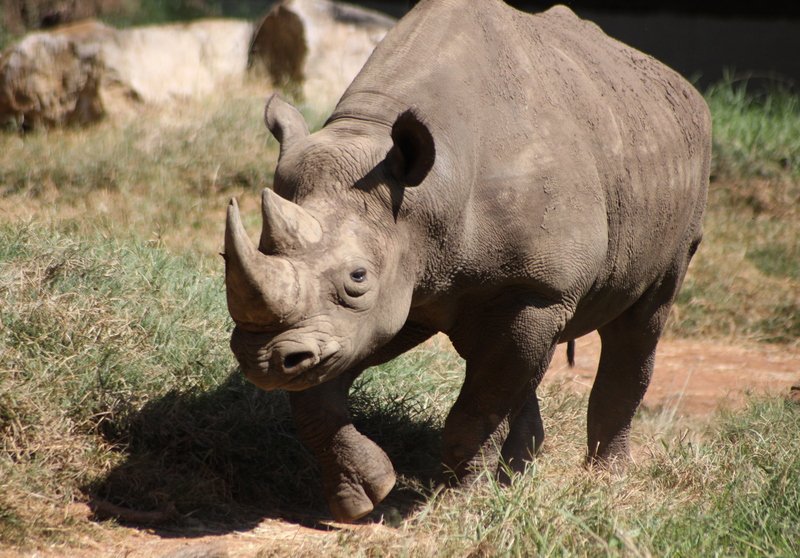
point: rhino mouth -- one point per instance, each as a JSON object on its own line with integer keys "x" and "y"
{"x": 293, "y": 364}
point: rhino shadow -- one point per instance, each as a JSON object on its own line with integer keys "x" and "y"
{"x": 226, "y": 458}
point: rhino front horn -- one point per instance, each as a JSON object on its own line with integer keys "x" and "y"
{"x": 287, "y": 226}
{"x": 261, "y": 290}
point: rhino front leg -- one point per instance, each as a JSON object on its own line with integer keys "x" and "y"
{"x": 356, "y": 473}
{"x": 507, "y": 349}
{"x": 525, "y": 436}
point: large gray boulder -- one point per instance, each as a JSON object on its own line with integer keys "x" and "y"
{"x": 160, "y": 63}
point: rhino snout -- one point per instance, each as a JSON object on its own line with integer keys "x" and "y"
{"x": 272, "y": 366}
{"x": 291, "y": 359}
{"x": 294, "y": 357}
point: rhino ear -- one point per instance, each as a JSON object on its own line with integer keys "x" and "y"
{"x": 412, "y": 156}
{"x": 284, "y": 121}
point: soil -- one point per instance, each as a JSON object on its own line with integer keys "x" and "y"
{"x": 692, "y": 379}
{"x": 696, "y": 378}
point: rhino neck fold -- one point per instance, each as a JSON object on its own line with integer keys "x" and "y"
{"x": 371, "y": 106}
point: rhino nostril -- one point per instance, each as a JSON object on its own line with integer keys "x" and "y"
{"x": 294, "y": 360}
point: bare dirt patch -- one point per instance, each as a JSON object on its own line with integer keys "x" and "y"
{"x": 695, "y": 378}
{"x": 692, "y": 379}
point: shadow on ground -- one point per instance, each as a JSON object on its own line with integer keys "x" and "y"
{"x": 227, "y": 458}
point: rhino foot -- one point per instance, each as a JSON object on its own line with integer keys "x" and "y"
{"x": 360, "y": 476}
{"x": 352, "y": 500}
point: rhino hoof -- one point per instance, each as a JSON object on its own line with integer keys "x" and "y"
{"x": 349, "y": 504}
{"x": 352, "y": 501}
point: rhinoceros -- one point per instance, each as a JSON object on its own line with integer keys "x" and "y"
{"x": 514, "y": 181}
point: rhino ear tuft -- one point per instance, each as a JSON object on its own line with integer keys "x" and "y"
{"x": 414, "y": 152}
{"x": 284, "y": 121}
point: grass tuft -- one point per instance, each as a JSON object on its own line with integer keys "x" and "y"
{"x": 714, "y": 496}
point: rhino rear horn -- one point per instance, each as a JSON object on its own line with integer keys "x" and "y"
{"x": 261, "y": 290}
{"x": 286, "y": 225}
{"x": 284, "y": 122}
{"x": 413, "y": 151}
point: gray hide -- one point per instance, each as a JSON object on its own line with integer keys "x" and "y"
{"x": 511, "y": 180}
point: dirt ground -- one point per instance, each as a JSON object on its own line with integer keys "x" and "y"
{"x": 695, "y": 378}
{"x": 692, "y": 378}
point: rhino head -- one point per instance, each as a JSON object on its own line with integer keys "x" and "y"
{"x": 332, "y": 277}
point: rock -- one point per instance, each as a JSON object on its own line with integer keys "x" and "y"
{"x": 54, "y": 77}
{"x": 312, "y": 49}
{"x": 19, "y": 15}
{"x": 203, "y": 550}
{"x": 78, "y": 73}
{"x": 159, "y": 63}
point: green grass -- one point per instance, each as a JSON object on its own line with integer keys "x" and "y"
{"x": 167, "y": 182}
{"x": 755, "y": 134}
{"x": 92, "y": 329}
{"x": 117, "y": 384}
{"x": 151, "y": 12}
{"x": 744, "y": 282}
{"x": 208, "y": 147}
{"x": 120, "y": 387}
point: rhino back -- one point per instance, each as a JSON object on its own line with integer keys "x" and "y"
{"x": 564, "y": 157}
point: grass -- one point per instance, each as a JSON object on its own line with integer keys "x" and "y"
{"x": 743, "y": 282}
{"x": 117, "y": 384}
{"x": 147, "y": 12}
{"x": 730, "y": 494}
{"x": 755, "y": 133}
{"x": 92, "y": 329}
{"x": 166, "y": 183}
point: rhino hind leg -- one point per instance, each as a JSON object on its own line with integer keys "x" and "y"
{"x": 496, "y": 413}
{"x": 626, "y": 365}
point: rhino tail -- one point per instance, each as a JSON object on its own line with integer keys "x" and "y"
{"x": 571, "y": 353}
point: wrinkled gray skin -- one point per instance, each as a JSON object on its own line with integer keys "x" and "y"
{"x": 512, "y": 180}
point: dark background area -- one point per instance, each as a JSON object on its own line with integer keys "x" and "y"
{"x": 757, "y": 42}
{"x": 767, "y": 8}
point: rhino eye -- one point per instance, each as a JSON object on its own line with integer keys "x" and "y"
{"x": 359, "y": 275}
